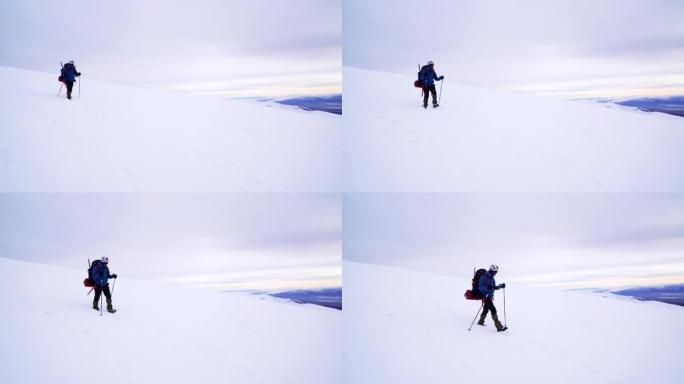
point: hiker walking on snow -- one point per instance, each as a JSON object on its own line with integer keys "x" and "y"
{"x": 68, "y": 76}
{"x": 487, "y": 286}
{"x": 100, "y": 276}
{"x": 428, "y": 76}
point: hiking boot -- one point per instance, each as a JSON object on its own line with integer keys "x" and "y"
{"x": 95, "y": 307}
{"x": 482, "y": 320}
{"x": 435, "y": 105}
{"x": 499, "y": 327}
{"x": 110, "y": 309}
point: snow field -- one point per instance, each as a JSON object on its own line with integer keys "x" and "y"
{"x": 481, "y": 140}
{"x": 124, "y": 139}
{"x": 404, "y": 326}
{"x": 160, "y": 333}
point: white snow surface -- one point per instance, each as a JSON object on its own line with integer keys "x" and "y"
{"x": 49, "y": 333}
{"x": 494, "y": 141}
{"x": 404, "y": 326}
{"x": 125, "y": 139}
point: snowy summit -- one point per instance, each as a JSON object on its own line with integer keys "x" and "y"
{"x": 159, "y": 334}
{"x": 494, "y": 141}
{"x": 116, "y": 138}
{"x": 406, "y": 327}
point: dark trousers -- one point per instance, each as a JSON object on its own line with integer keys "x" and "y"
{"x": 98, "y": 292}
{"x": 69, "y": 87}
{"x": 427, "y": 90}
{"x": 488, "y": 306}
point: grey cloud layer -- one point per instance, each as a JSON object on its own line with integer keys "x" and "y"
{"x": 522, "y": 43}
{"x": 164, "y": 43}
{"x": 58, "y": 229}
{"x": 527, "y": 234}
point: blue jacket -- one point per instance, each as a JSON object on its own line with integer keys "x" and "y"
{"x": 428, "y": 75}
{"x": 69, "y": 72}
{"x": 487, "y": 285}
{"x": 100, "y": 274}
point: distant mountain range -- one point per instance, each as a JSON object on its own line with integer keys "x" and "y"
{"x": 326, "y": 103}
{"x": 671, "y": 294}
{"x": 330, "y": 103}
{"x": 673, "y": 105}
{"x": 329, "y": 297}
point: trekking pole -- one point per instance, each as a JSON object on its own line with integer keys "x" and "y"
{"x": 101, "y": 294}
{"x": 60, "y": 91}
{"x": 439, "y": 100}
{"x": 91, "y": 289}
{"x": 478, "y": 312}
{"x": 505, "y": 322}
{"x": 421, "y": 88}
{"x": 79, "y": 96}
{"x": 114, "y": 283}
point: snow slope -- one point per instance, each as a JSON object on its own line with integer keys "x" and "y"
{"x": 403, "y": 326}
{"x": 160, "y": 334}
{"x": 121, "y": 139}
{"x": 486, "y": 140}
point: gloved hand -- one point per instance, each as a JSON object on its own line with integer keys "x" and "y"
{"x": 502, "y": 285}
{"x": 78, "y": 74}
{"x": 113, "y": 276}
{"x": 441, "y": 77}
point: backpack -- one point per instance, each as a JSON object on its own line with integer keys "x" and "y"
{"x": 89, "y": 282}
{"x": 474, "y": 293}
{"x": 66, "y": 68}
{"x": 419, "y": 83}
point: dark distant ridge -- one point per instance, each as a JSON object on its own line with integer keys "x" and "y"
{"x": 673, "y": 105}
{"x": 671, "y": 294}
{"x": 327, "y": 297}
{"x": 329, "y": 103}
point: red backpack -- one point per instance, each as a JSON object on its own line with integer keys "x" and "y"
{"x": 419, "y": 83}
{"x": 89, "y": 282}
{"x": 474, "y": 293}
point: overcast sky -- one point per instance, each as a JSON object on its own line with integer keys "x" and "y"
{"x": 223, "y": 47}
{"x": 568, "y": 48}
{"x": 573, "y": 241}
{"x": 230, "y": 242}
